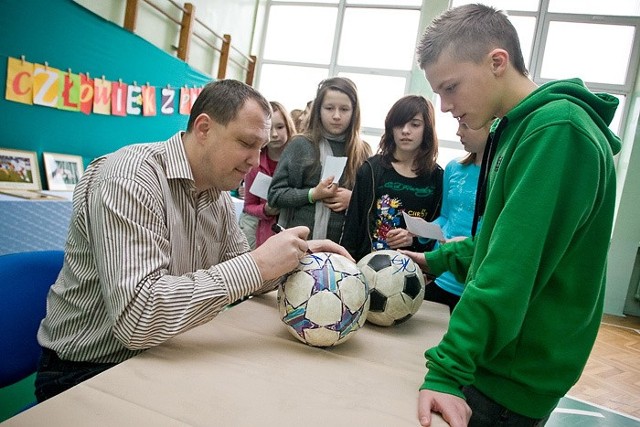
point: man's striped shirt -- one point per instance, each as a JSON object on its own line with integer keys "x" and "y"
{"x": 146, "y": 257}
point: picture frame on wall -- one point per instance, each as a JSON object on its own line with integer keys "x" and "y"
{"x": 63, "y": 170}
{"x": 19, "y": 170}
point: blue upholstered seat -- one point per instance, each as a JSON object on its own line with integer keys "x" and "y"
{"x": 25, "y": 279}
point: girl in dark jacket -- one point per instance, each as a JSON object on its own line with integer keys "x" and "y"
{"x": 402, "y": 177}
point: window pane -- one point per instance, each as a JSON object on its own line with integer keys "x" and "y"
{"x": 581, "y": 54}
{"x": 313, "y": 1}
{"x": 288, "y": 32}
{"x": 292, "y": 86}
{"x": 617, "y": 117}
{"x": 373, "y": 139}
{"x": 526, "y": 27}
{"x": 377, "y": 94}
{"x": 446, "y": 125}
{"x": 387, "y": 2}
{"x": 446, "y": 154}
{"x": 390, "y": 38}
{"x": 596, "y": 7}
{"x": 525, "y": 5}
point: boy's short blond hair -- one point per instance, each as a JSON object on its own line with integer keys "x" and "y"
{"x": 470, "y": 32}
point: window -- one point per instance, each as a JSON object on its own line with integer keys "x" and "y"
{"x": 372, "y": 42}
{"x": 596, "y": 7}
{"x": 590, "y": 39}
{"x": 417, "y": 3}
{"x": 300, "y": 34}
{"x": 291, "y": 85}
{"x": 383, "y": 48}
{"x": 375, "y": 102}
{"x": 579, "y": 55}
{"x": 522, "y": 5}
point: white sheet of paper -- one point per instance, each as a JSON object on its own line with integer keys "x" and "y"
{"x": 333, "y": 166}
{"x": 260, "y": 186}
{"x": 422, "y": 228}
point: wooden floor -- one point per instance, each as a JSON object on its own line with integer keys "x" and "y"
{"x": 612, "y": 375}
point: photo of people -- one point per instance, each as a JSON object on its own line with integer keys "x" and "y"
{"x": 63, "y": 171}
{"x": 15, "y": 169}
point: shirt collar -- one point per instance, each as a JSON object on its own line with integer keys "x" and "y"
{"x": 177, "y": 163}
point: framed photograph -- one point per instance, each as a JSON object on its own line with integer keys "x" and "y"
{"x": 19, "y": 170}
{"x": 63, "y": 171}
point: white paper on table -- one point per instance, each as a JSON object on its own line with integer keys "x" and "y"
{"x": 260, "y": 186}
{"x": 333, "y": 166}
{"x": 422, "y": 228}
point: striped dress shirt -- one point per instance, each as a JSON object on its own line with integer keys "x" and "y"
{"x": 146, "y": 257}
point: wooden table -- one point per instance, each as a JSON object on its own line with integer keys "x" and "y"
{"x": 245, "y": 369}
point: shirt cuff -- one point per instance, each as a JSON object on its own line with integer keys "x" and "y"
{"x": 241, "y": 275}
{"x": 436, "y": 381}
{"x": 435, "y": 262}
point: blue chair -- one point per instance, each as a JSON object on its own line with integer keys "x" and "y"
{"x": 25, "y": 279}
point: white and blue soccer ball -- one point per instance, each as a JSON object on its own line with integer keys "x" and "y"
{"x": 397, "y": 286}
{"x": 325, "y": 300}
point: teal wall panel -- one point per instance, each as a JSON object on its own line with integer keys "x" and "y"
{"x": 66, "y": 35}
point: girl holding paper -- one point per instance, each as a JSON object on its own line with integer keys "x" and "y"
{"x": 402, "y": 177}
{"x": 257, "y": 216}
{"x": 333, "y": 130}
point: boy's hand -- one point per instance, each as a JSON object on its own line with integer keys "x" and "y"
{"x": 417, "y": 257}
{"x": 453, "y": 409}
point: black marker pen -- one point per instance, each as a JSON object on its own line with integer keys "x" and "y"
{"x": 277, "y": 228}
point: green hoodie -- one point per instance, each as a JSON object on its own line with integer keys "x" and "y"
{"x": 535, "y": 273}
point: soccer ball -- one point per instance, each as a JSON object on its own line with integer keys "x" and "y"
{"x": 397, "y": 286}
{"x": 325, "y": 300}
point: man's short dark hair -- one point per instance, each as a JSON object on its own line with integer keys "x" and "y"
{"x": 222, "y": 99}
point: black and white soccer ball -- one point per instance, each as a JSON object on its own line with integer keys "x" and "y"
{"x": 325, "y": 300}
{"x": 397, "y": 286}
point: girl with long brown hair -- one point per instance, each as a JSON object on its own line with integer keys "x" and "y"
{"x": 333, "y": 130}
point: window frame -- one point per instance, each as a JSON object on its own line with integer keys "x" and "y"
{"x": 333, "y": 68}
{"x": 625, "y": 89}
{"x": 543, "y": 20}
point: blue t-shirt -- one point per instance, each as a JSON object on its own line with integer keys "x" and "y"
{"x": 459, "y": 186}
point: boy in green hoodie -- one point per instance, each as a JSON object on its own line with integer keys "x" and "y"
{"x": 535, "y": 273}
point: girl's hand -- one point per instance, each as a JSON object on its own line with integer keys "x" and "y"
{"x": 324, "y": 189}
{"x": 399, "y": 238}
{"x": 340, "y": 201}
{"x": 270, "y": 211}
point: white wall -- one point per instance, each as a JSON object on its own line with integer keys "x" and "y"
{"x": 236, "y": 18}
{"x": 626, "y": 231}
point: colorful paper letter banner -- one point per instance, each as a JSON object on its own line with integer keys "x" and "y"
{"x": 101, "y": 96}
{"x": 86, "y": 93}
{"x": 148, "y": 100}
{"x": 19, "y": 81}
{"x": 69, "y": 91}
{"x": 37, "y": 84}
